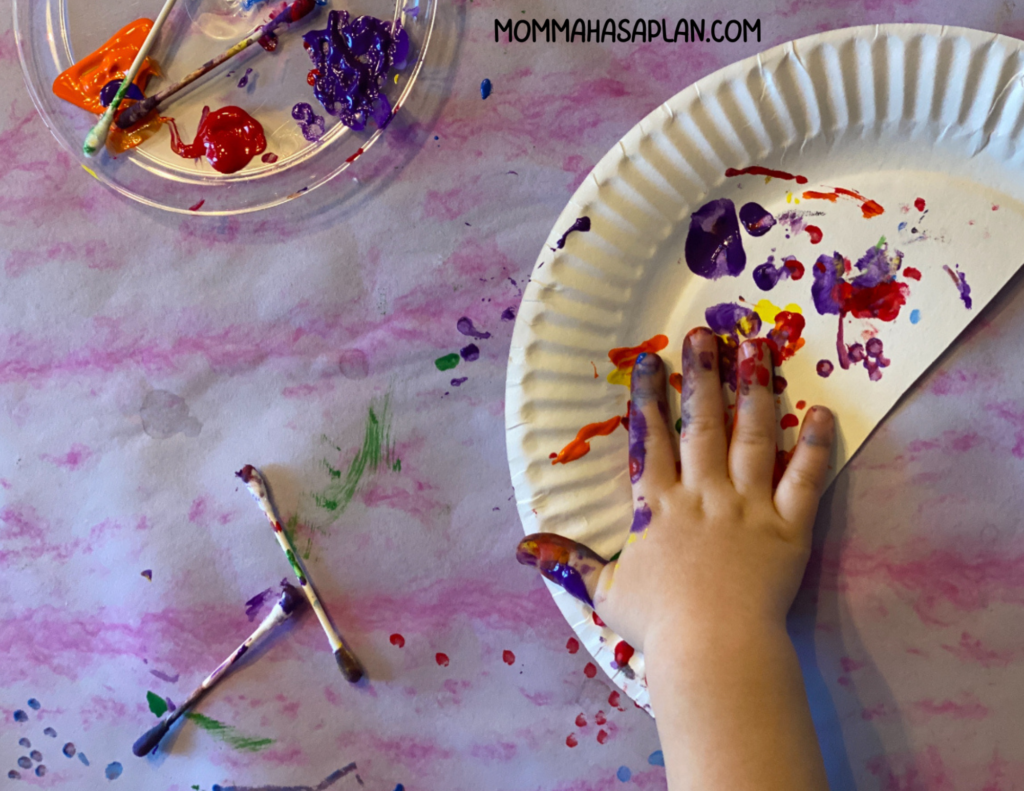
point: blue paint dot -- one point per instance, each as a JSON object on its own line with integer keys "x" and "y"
{"x": 915, "y": 316}
{"x": 20, "y": 716}
{"x": 624, "y": 774}
{"x": 485, "y": 89}
{"x": 34, "y": 704}
{"x": 40, "y": 771}
{"x": 69, "y": 750}
{"x": 399, "y": 787}
{"x": 83, "y": 759}
{"x": 25, "y": 762}
{"x": 901, "y": 226}
{"x": 14, "y": 774}
{"x": 113, "y": 770}
{"x": 657, "y": 758}
{"x": 50, "y": 732}
{"x": 24, "y": 742}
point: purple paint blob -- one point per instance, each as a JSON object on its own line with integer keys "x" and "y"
{"x": 825, "y": 368}
{"x": 582, "y": 224}
{"x": 255, "y": 604}
{"x": 458, "y": 382}
{"x": 756, "y": 219}
{"x": 876, "y": 266}
{"x": 767, "y": 275}
{"x": 34, "y": 704}
{"x": 174, "y": 679}
{"x": 20, "y": 716}
{"x": 113, "y": 770}
{"x": 351, "y": 60}
{"x": 69, "y": 750}
{"x": 569, "y": 579}
{"x": 508, "y": 315}
{"x": 828, "y": 272}
{"x": 713, "y": 244}
{"x": 465, "y": 326}
{"x": 311, "y": 124}
{"x": 470, "y": 353}
{"x": 50, "y": 732}
{"x": 961, "y": 284}
{"x": 641, "y": 519}
{"x": 245, "y": 78}
{"x": 107, "y": 92}
{"x": 637, "y": 442}
{"x": 732, "y": 320}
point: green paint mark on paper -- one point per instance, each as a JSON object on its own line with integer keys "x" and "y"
{"x": 377, "y": 447}
{"x": 881, "y": 243}
{"x": 447, "y": 362}
{"x": 228, "y": 734}
{"x": 157, "y": 705}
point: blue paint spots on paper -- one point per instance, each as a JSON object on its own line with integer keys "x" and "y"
{"x": 915, "y": 316}
{"x": 34, "y": 704}
{"x": 50, "y": 732}
{"x": 25, "y": 762}
{"x": 24, "y": 743}
{"x": 41, "y": 771}
{"x": 14, "y": 774}
{"x": 485, "y": 89}
{"x": 36, "y": 756}
{"x": 624, "y": 774}
{"x": 69, "y": 750}
{"x": 657, "y": 758}
{"x": 20, "y": 716}
{"x": 113, "y": 770}
{"x": 83, "y": 759}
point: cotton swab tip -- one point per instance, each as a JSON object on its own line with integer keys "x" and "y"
{"x": 148, "y": 741}
{"x": 350, "y": 667}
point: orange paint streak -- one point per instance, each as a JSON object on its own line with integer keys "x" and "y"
{"x": 868, "y": 207}
{"x": 121, "y": 140}
{"x": 580, "y": 446}
{"x": 82, "y": 82}
{"x": 624, "y": 357}
{"x": 595, "y": 368}
{"x": 676, "y": 382}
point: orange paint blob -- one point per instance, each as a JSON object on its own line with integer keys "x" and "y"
{"x": 121, "y": 140}
{"x": 868, "y": 207}
{"x": 801, "y": 404}
{"x": 82, "y": 82}
{"x": 625, "y": 357}
{"x": 676, "y": 382}
{"x": 580, "y": 446}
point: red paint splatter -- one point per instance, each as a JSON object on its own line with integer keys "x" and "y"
{"x": 602, "y": 736}
{"x": 580, "y": 446}
{"x": 676, "y": 382}
{"x": 919, "y": 204}
{"x": 623, "y": 653}
{"x": 197, "y": 206}
{"x": 995, "y": 207}
{"x": 570, "y": 740}
{"x": 784, "y": 339}
{"x": 614, "y": 698}
{"x": 397, "y": 639}
{"x": 595, "y": 368}
{"x": 868, "y": 207}
{"x": 779, "y": 384}
{"x": 881, "y": 302}
{"x": 581, "y": 721}
{"x": 796, "y": 269}
{"x": 801, "y": 404}
{"x": 757, "y": 170}
{"x": 815, "y": 233}
{"x": 311, "y": 77}
{"x": 229, "y": 138}
{"x": 789, "y": 421}
{"x": 355, "y": 156}
{"x": 600, "y": 719}
{"x": 441, "y": 659}
{"x": 597, "y": 620}
{"x": 508, "y": 657}
{"x": 572, "y": 645}
{"x": 590, "y": 670}
{"x": 911, "y": 273}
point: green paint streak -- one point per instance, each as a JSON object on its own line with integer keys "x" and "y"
{"x": 228, "y": 734}
{"x": 881, "y": 243}
{"x": 377, "y": 447}
{"x": 615, "y": 557}
{"x": 447, "y": 362}
{"x": 679, "y": 426}
{"x": 157, "y": 705}
{"x": 295, "y": 567}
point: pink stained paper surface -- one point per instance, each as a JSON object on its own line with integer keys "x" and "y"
{"x": 244, "y": 329}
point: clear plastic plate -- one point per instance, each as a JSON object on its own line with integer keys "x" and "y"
{"x": 53, "y": 34}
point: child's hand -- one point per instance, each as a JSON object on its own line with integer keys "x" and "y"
{"x": 711, "y": 546}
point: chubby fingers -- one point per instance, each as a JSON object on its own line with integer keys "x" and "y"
{"x": 796, "y": 498}
{"x": 752, "y": 449}
{"x": 652, "y": 458}
{"x": 702, "y": 441}
{"x": 571, "y": 565}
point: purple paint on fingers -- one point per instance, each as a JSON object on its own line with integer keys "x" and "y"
{"x": 641, "y": 519}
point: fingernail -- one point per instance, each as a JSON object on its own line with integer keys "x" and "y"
{"x": 648, "y": 362}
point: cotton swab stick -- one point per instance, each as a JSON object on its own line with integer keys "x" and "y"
{"x": 347, "y": 661}
{"x": 292, "y": 12}
{"x": 290, "y": 600}
{"x": 98, "y": 134}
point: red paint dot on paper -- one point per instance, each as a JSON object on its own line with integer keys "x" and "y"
{"x": 623, "y": 653}
{"x": 801, "y": 404}
{"x": 597, "y": 620}
{"x": 508, "y": 657}
{"x": 397, "y": 639}
{"x": 600, "y": 719}
{"x": 919, "y": 204}
{"x": 995, "y": 207}
{"x": 613, "y": 699}
{"x": 602, "y": 737}
{"x": 789, "y": 421}
{"x": 552, "y": 455}
{"x": 570, "y": 740}
{"x": 441, "y": 659}
{"x": 572, "y": 645}
{"x": 911, "y": 273}
{"x": 590, "y": 671}
{"x": 581, "y": 721}
{"x": 815, "y": 233}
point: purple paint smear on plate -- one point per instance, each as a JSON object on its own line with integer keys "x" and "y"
{"x": 713, "y": 244}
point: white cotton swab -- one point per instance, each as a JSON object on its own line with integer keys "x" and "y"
{"x": 98, "y": 134}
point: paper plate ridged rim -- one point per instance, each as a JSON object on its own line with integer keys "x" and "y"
{"x": 922, "y": 83}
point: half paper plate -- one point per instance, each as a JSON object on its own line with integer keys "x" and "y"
{"x": 890, "y": 216}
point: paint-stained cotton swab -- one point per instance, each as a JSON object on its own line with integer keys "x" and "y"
{"x": 290, "y": 600}
{"x": 347, "y": 661}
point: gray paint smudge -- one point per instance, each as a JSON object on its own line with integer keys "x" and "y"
{"x": 165, "y": 414}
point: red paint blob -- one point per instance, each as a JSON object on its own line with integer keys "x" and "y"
{"x": 757, "y": 170}
{"x": 590, "y": 670}
{"x": 597, "y": 620}
{"x": 919, "y": 204}
{"x": 229, "y": 138}
{"x": 581, "y": 721}
{"x": 508, "y": 657}
{"x": 815, "y": 233}
{"x": 311, "y": 77}
{"x": 801, "y": 404}
{"x": 355, "y": 156}
{"x": 570, "y": 740}
{"x": 623, "y": 653}
{"x": 789, "y": 421}
{"x": 614, "y": 698}
{"x": 197, "y": 206}
{"x": 602, "y": 737}
{"x": 796, "y": 269}
{"x": 912, "y": 274}
{"x": 600, "y": 719}
{"x": 397, "y": 639}
{"x": 441, "y": 659}
{"x": 572, "y": 645}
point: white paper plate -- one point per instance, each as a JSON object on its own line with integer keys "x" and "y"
{"x": 895, "y": 112}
